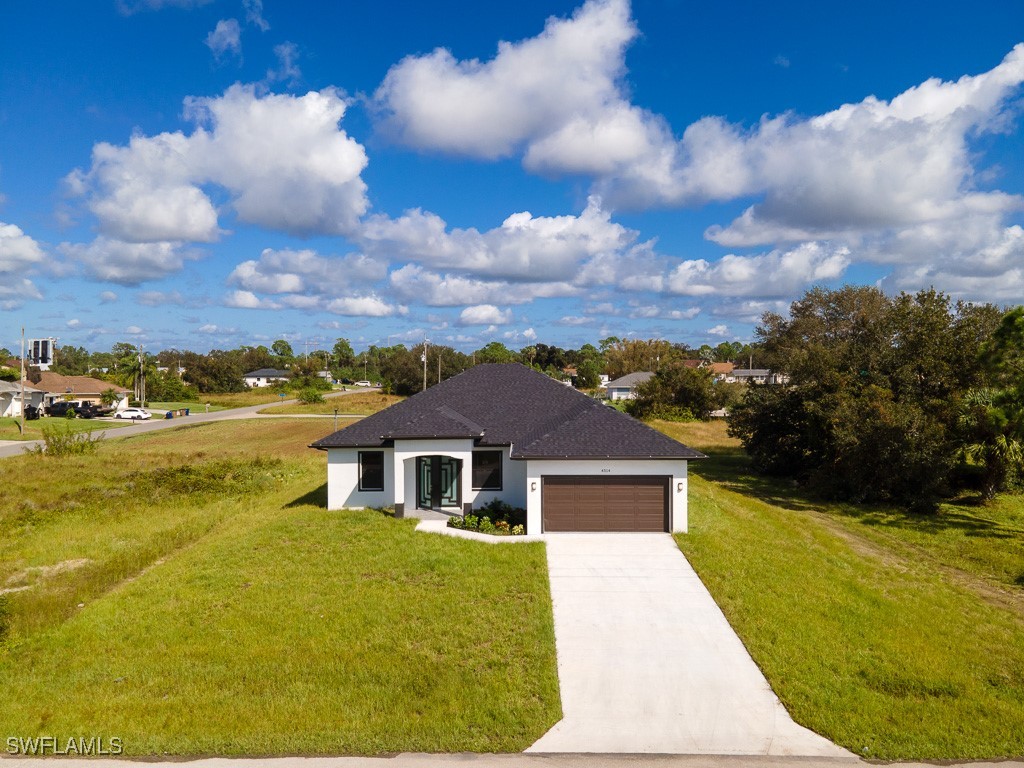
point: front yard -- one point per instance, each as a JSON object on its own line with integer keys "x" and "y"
{"x": 898, "y": 637}
{"x": 187, "y": 592}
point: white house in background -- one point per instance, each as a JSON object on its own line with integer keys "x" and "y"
{"x": 10, "y": 397}
{"x": 756, "y": 376}
{"x": 265, "y": 377}
{"x": 40, "y": 353}
{"x": 624, "y": 388}
{"x": 505, "y": 431}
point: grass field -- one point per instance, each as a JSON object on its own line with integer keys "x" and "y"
{"x": 899, "y": 637}
{"x": 34, "y": 429}
{"x": 188, "y": 592}
{"x": 360, "y": 403}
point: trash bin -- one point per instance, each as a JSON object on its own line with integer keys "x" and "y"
{"x": 186, "y": 411}
{"x": 168, "y": 415}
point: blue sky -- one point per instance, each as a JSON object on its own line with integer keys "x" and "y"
{"x": 210, "y": 174}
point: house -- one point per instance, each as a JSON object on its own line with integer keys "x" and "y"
{"x": 505, "y": 431}
{"x": 265, "y": 377}
{"x": 83, "y": 388}
{"x": 10, "y": 397}
{"x": 757, "y": 376}
{"x": 624, "y": 387}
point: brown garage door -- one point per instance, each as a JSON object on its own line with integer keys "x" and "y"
{"x": 595, "y": 503}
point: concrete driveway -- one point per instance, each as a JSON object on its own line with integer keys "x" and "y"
{"x": 647, "y": 662}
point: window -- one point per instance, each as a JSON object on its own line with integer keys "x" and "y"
{"x": 486, "y": 470}
{"x": 371, "y": 470}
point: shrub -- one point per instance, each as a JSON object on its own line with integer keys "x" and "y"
{"x": 64, "y": 442}
{"x": 310, "y": 395}
{"x": 496, "y": 517}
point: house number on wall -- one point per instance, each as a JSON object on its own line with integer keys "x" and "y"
{"x": 606, "y": 470}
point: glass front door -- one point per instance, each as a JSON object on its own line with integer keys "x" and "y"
{"x": 437, "y": 482}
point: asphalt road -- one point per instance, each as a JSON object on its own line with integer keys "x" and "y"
{"x": 17, "y": 447}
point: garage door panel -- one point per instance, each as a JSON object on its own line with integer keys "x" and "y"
{"x": 595, "y": 503}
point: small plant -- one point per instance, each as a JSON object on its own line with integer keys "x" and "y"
{"x": 501, "y": 519}
{"x": 70, "y": 413}
{"x": 64, "y": 442}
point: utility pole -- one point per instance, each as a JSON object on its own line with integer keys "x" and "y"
{"x": 23, "y": 379}
{"x": 438, "y": 367}
{"x": 424, "y": 364}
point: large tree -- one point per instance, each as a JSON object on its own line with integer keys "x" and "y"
{"x": 876, "y": 386}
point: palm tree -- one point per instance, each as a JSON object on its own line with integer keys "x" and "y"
{"x": 992, "y": 437}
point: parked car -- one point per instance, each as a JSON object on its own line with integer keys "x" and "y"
{"x": 59, "y": 408}
{"x": 89, "y": 410}
{"x": 31, "y": 413}
{"x": 363, "y": 383}
{"x": 133, "y": 413}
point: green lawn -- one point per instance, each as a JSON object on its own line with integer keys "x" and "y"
{"x": 899, "y": 637}
{"x": 361, "y": 403}
{"x": 226, "y": 611}
{"x": 34, "y": 429}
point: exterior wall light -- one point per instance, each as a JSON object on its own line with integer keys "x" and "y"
{"x": 533, "y": 486}
{"x": 679, "y": 487}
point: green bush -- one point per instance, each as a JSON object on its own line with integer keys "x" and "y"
{"x": 63, "y": 442}
{"x": 310, "y": 395}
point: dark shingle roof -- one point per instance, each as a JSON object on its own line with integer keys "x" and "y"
{"x": 268, "y": 373}
{"x": 510, "y": 404}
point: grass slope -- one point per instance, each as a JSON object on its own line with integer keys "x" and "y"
{"x": 227, "y": 612}
{"x": 9, "y": 429}
{"x": 899, "y": 637}
{"x": 360, "y": 403}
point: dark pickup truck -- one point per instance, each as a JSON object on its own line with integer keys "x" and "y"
{"x": 83, "y": 410}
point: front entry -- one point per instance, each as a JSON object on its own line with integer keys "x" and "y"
{"x": 437, "y": 482}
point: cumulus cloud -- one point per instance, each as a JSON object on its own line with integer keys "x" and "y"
{"x": 282, "y": 160}
{"x": 225, "y": 38}
{"x": 129, "y": 263}
{"x": 778, "y": 273}
{"x": 487, "y": 109}
{"x": 20, "y": 255}
{"x": 413, "y": 283}
{"x": 485, "y": 314}
{"x": 107, "y": 297}
{"x": 524, "y": 247}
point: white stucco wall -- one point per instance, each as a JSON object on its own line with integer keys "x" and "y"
{"x": 675, "y": 468}
{"x": 513, "y": 483}
{"x": 343, "y": 481}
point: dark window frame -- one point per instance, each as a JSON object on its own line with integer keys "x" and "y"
{"x": 363, "y": 486}
{"x": 500, "y": 472}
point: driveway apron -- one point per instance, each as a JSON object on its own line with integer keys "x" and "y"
{"x": 647, "y": 662}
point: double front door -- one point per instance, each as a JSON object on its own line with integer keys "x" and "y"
{"x": 437, "y": 482}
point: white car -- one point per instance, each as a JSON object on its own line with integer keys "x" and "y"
{"x": 133, "y": 414}
{"x": 363, "y": 383}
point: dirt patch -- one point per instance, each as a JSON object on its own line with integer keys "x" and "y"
{"x": 29, "y": 577}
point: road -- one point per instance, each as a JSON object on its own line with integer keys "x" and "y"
{"x": 17, "y": 447}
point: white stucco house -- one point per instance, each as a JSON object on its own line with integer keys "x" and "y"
{"x": 10, "y": 397}
{"x": 508, "y": 432}
{"x": 265, "y": 377}
{"x": 624, "y": 387}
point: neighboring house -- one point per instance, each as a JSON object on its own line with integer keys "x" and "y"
{"x": 719, "y": 371}
{"x": 83, "y": 388}
{"x": 265, "y": 377}
{"x": 624, "y": 388}
{"x": 504, "y": 431}
{"x": 10, "y": 397}
{"x": 757, "y": 376}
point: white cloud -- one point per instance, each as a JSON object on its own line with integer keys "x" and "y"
{"x": 282, "y": 159}
{"x": 287, "y": 70}
{"x": 108, "y": 297}
{"x": 485, "y": 314}
{"x": 778, "y": 273}
{"x": 718, "y": 330}
{"x": 524, "y": 247}
{"x": 73, "y": 323}
{"x": 134, "y": 330}
{"x": 129, "y": 263}
{"x": 573, "y": 320}
{"x": 290, "y": 272}
{"x": 159, "y": 298}
{"x": 529, "y": 334}
{"x": 487, "y": 109}
{"x": 414, "y": 284}
{"x": 254, "y": 14}
{"x": 208, "y": 328}
{"x": 248, "y": 300}
{"x": 20, "y": 255}
{"x": 641, "y": 311}
{"x": 226, "y": 37}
